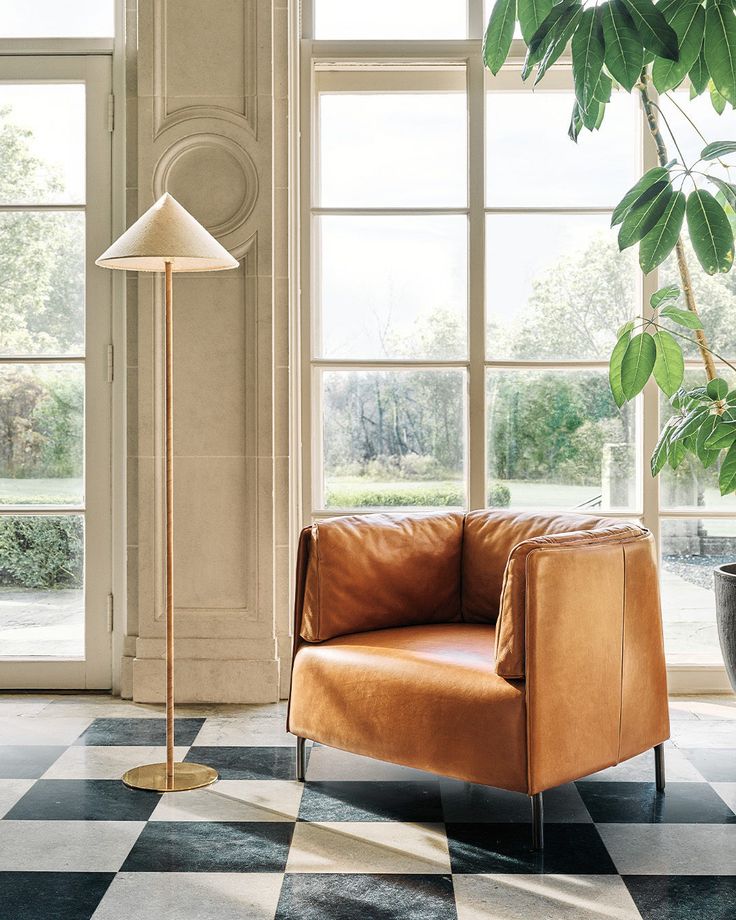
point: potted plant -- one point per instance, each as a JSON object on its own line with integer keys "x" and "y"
{"x": 650, "y": 49}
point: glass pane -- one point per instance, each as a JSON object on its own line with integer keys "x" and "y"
{"x": 412, "y": 19}
{"x": 57, "y": 19}
{"x": 42, "y": 294}
{"x": 42, "y": 143}
{"x": 531, "y": 162}
{"x": 690, "y": 486}
{"x": 41, "y": 434}
{"x": 41, "y": 586}
{"x": 392, "y": 287}
{"x": 690, "y": 550}
{"x": 715, "y": 295}
{"x": 394, "y": 149}
{"x": 393, "y": 438}
{"x": 556, "y": 286}
{"x": 557, "y": 440}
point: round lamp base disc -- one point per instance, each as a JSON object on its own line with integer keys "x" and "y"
{"x": 186, "y": 776}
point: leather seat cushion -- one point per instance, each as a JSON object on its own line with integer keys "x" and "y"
{"x": 423, "y": 696}
{"x": 376, "y": 571}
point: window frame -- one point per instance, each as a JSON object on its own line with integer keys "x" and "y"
{"x": 309, "y": 55}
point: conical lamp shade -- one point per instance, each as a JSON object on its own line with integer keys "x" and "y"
{"x": 167, "y": 232}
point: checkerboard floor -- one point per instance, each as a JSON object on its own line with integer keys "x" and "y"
{"x": 362, "y": 839}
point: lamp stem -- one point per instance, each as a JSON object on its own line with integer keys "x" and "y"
{"x": 169, "y": 421}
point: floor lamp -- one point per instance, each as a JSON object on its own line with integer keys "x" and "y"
{"x": 168, "y": 239}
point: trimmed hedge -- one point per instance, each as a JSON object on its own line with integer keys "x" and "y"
{"x": 406, "y": 494}
{"x": 41, "y": 551}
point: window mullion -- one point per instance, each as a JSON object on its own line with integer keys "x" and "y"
{"x": 476, "y": 421}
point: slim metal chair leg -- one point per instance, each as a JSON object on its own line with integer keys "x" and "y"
{"x": 301, "y": 759}
{"x": 537, "y": 822}
{"x": 659, "y": 767}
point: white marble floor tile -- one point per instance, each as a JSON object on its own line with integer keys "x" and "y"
{"x": 233, "y": 800}
{"x": 710, "y": 733}
{"x": 640, "y": 769}
{"x": 191, "y": 896}
{"x": 10, "y": 791}
{"x": 265, "y": 726}
{"x": 727, "y": 792}
{"x": 551, "y": 897}
{"x": 368, "y": 846}
{"x": 106, "y": 761}
{"x": 330, "y": 764}
{"x": 671, "y": 849}
{"x": 21, "y": 705}
{"x": 714, "y": 708}
{"x": 41, "y": 729}
{"x": 66, "y": 846}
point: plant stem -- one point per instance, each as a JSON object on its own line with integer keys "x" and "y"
{"x": 684, "y": 269}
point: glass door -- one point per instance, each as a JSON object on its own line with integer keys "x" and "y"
{"x": 55, "y": 394}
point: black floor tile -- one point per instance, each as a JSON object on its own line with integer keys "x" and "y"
{"x": 366, "y": 897}
{"x": 247, "y": 762}
{"x": 717, "y": 765}
{"x": 473, "y": 802}
{"x": 574, "y": 849}
{"x": 139, "y": 732}
{"x": 683, "y": 897}
{"x": 52, "y": 895}
{"x": 204, "y": 846}
{"x": 83, "y": 800}
{"x": 371, "y": 801}
{"x": 640, "y": 803}
{"x": 27, "y": 761}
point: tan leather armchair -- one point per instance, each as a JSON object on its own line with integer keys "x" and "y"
{"x": 517, "y": 650}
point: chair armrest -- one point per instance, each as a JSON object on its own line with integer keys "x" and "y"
{"x": 595, "y": 674}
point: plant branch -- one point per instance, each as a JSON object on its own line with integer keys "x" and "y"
{"x": 653, "y": 322}
{"x": 683, "y": 268}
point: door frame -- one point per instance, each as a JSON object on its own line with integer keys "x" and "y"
{"x": 94, "y": 670}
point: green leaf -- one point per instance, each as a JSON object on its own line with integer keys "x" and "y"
{"x": 603, "y": 88}
{"x": 656, "y": 174}
{"x": 659, "y": 456}
{"x": 720, "y": 47}
{"x": 707, "y": 457}
{"x": 532, "y": 14}
{"x": 661, "y": 239}
{"x": 614, "y": 367}
{"x": 537, "y": 40}
{"x": 717, "y": 389}
{"x": 671, "y": 292}
{"x": 676, "y": 453}
{"x": 669, "y": 365}
{"x": 587, "y": 57}
{"x": 723, "y": 434}
{"x": 717, "y": 149}
{"x": 716, "y": 99}
{"x": 627, "y": 327}
{"x": 576, "y": 123}
{"x": 652, "y": 27}
{"x": 727, "y": 190}
{"x": 682, "y": 317}
{"x": 691, "y": 423}
{"x": 644, "y": 214}
{"x": 559, "y": 36}
{"x": 637, "y": 364}
{"x": 699, "y": 75}
{"x": 727, "y": 477}
{"x": 499, "y": 34}
{"x": 624, "y": 53}
{"x": 710, "y": 232}
{"x": 687, "y": 18}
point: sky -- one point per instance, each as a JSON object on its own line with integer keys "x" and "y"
{"x": 56, "y": 18}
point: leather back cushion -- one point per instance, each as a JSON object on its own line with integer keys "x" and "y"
{"x": 381, "y": 570}
{"x": 487, "y": 543}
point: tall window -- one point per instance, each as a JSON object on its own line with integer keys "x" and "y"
{"x": 461, "y": 289}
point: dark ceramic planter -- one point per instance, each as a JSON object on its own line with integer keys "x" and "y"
{"x": 725, "y": 585}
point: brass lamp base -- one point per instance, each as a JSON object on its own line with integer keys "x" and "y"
{"x": 186, "y": 776}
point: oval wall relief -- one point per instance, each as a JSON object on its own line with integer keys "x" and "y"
{"x": 213, "y": 177}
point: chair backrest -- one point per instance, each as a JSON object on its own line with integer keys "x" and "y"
{"x": 376, "y": 571}
{"x": 488, "y": 539}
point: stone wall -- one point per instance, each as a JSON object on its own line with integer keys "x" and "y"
{"x": 207, "y": 121}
